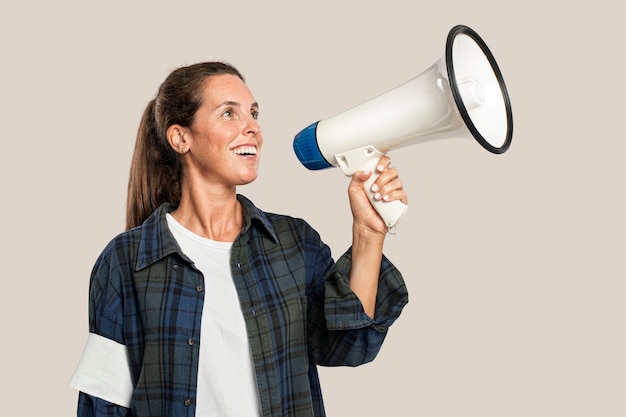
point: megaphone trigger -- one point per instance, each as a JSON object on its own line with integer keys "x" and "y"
{"x": 366, "y": 159}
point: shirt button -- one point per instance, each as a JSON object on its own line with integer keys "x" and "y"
{"x": 187, "y": 403}
{"x": 176, "y": 267}
{"x": 199, "y": 288}
{"x": 191, "y": 341}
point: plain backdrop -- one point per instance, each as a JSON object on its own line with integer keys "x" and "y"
{"x": 514, "y": 262}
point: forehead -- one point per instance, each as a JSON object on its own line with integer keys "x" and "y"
{"x": 226, "y": 87}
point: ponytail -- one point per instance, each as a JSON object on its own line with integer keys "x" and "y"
{"x": 155, "y": 172}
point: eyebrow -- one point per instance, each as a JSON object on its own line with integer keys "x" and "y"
{"x": 254, "y": 105}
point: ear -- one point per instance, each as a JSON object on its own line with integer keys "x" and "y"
{"x": 177, "y": 138}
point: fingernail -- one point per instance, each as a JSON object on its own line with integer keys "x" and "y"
{"x": 377, "y": 196}
{"x": 380, "y": 168}
{"x": 374, "y": 187}
{"x": 386, "y": 198}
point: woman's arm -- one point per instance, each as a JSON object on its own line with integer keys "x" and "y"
{"x": 369, "y": 230}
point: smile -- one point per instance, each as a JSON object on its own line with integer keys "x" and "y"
{"x": 245, "y": 150}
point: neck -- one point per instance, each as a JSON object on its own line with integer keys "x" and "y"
{"x": 215, "y": 216}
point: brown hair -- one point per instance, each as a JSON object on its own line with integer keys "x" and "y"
{"x": 156, "y": 170}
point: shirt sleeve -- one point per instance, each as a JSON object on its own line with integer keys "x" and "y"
{"x": 342, "y": 334}
{"x": 103, "y": 371}
{"x": 103, "y": 374}
{"x": 342, "y": 307}
{"x": 90, "y": 406}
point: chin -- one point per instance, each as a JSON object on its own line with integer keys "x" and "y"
{"x": 248, "y": 179}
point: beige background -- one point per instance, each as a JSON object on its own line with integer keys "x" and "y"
{"x": 514, "y": 262}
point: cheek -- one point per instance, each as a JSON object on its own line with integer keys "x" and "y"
{"x": 215, "y": 139}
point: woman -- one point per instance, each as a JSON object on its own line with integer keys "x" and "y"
{"x": 207, "y": 305}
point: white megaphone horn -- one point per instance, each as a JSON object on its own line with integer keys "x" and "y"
{"x": 462, "y": 95}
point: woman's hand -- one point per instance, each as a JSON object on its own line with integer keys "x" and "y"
{"x": 387, "y": 187}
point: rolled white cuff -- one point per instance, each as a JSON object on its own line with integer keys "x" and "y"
{"x": 104, "y": 371}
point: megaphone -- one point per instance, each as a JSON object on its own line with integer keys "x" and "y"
{"x": 462, "y": 95}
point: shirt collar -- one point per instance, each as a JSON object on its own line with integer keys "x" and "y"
{"x": 157, "y": 240}
{"x": 250, "y": 213}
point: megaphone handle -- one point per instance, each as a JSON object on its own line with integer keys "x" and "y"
{"x": 390, "y": 211}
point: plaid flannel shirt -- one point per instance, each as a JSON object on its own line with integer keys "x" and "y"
{"x": 147, "y": 296}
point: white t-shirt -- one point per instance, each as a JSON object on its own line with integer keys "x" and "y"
{"x": 226, "y": 380}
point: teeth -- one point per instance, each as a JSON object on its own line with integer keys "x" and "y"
{"x": 245, "y": 150}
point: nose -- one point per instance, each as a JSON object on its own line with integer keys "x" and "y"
{"x": 252, "y": 127}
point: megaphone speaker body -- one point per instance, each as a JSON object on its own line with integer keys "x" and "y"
{"x": 462, "y": 95}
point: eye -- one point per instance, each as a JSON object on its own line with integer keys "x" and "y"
{"x": 255, "y": 114}
{"x": 227, "y": 113}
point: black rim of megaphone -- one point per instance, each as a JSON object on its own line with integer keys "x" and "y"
{"x": 458, "y": 30}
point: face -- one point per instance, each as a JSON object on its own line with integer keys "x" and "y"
{"x": 225, "y": 138}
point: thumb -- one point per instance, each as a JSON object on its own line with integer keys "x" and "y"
{"x": 361, "y": 176}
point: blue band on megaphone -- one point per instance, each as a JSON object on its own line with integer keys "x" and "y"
{"x": 307, "y": 150}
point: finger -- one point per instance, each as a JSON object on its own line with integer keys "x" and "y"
{"x": 392, "y": 190}
{"x": 399, "y": 195}
{"x": 388, "y": 175}
{"x": 359, "y": 178}
{"x": 383, "y": 164}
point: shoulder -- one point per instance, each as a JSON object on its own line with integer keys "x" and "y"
{"x": 285, "y": 221}
{"x": 143, "y": 244}
{"x": 120, "y": 251}
{"x": 124, "y": 240}
{"x": 277, "y": 225}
